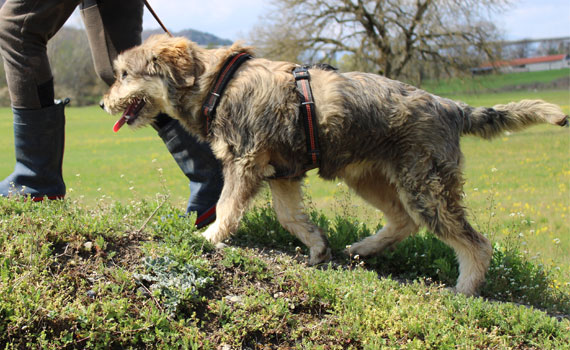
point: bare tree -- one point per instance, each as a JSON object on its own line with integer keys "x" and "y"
{"x": 384, "y": 36}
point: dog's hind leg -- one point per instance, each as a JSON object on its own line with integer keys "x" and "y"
{"x": 376, "y": 190}
{"x": 434, "y": 197}
{"x": 288, "y": 204}
{"x": 239, "y": 187}
{"x": 473, "y": 252}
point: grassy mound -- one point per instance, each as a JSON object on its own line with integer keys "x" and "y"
{"x": 140, "y": 276}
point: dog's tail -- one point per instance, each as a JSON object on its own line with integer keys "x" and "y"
{"x": 490, "y": 122}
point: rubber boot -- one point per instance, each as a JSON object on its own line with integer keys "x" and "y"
{"x": 39, "y": 137}
{"x": 198, "y": 163}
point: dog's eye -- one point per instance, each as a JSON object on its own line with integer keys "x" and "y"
{"x": 124, "y": 74}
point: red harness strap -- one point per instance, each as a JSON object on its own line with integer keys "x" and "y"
{"x": 229, "y": 68}
{"x": 307, "y": 108}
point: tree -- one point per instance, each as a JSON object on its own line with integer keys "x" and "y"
{"x": 396, "y": 38}
{"x": 72, "y": 67}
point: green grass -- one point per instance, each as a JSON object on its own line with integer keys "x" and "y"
{"x": 120, "y": 166}
{"x": 492, "y": 83}
{"x": 72, "y": 277}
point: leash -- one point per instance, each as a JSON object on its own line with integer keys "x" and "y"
{"x": 156, "y": 18}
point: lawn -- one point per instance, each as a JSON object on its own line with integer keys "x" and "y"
{"x": 492, "y": 83}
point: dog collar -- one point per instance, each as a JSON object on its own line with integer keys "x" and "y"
{"x": 228, "y": 69}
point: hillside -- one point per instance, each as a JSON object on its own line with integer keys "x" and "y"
{"x": 204, "y": 39}
{"x": 139, "y": 276}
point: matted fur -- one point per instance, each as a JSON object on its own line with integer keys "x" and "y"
{"x": 397, "y": 146}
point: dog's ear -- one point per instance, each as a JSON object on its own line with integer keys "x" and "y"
{"x": 176, "y": 58}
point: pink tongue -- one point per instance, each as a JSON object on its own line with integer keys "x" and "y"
{"x": 119, "y": 123}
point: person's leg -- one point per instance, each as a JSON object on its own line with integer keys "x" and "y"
{"x": 112, "y": 27}
{"x": 198, "y": 163}
{"x": 122, "y": 26}
{"x": 39, "y": 122}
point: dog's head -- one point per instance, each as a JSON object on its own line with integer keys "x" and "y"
{"x": 149, "y": 77}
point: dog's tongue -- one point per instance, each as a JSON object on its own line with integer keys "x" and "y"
{"x": 130, "y": 112}
{"x": 119, "y": 123}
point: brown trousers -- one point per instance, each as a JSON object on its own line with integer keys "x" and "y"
{"x": 27, "y": 25}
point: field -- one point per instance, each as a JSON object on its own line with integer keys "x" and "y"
{"x": 496, "y": 83}
{"x": 116, "y": 265}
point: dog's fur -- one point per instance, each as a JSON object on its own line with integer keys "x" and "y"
{"x": 395, "y": 145}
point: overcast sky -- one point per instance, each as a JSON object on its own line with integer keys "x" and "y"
{"x": 230, "y": 19}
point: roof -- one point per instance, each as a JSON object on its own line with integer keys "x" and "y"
{"x": 523, "y": 61}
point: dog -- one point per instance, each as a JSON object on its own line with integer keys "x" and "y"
{"x": 395, "y": 145}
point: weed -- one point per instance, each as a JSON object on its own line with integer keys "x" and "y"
{"x": 174, "y": 284}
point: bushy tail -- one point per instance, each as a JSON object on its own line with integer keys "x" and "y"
{"x": 490, "y": 122}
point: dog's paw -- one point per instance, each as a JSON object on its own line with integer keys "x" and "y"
{"x": 358, "y": 249}
{"x": 319, "y": 256}
{"x": 221, "y": 246}
{"x": 212, "y": 234}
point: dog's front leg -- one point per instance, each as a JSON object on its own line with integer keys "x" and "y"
{"x": 240, "y": 186}
{"x": 288, "y": 204}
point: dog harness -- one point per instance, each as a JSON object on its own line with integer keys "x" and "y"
{"x": 226, "y": 73}
{"x": 307, "y": 108}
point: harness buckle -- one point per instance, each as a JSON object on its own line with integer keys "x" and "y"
{"x": 300, "y": 73}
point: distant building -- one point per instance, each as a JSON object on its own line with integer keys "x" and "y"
{"x": 532, "y": 64}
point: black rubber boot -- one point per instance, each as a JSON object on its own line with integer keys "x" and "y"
{"x": 39, "y": 137}
{"x": 198, "y": 163}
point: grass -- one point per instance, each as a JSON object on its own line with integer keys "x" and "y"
{"x": 493, "y": 83}
{"x": 98, "y": 278}
{"x": 118, "y": 265}
{"x": 123, "y": 166}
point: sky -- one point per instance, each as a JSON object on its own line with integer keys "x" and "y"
{"x": 231, "y": 19}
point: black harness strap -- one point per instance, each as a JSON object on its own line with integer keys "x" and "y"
{"x": 302, "y": 79}
{"x": 228, "y": 69}
{"x": 307, "y": 110}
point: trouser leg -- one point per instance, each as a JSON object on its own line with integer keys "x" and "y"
{"x": 198, "y": 163}
{"x": 112, "y": 27}
{"x": 25, "y": 28}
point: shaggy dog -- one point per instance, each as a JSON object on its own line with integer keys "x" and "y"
{"x": 395, "y": 145}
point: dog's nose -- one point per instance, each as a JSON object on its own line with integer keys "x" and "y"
{"x": 101, "y": 104}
